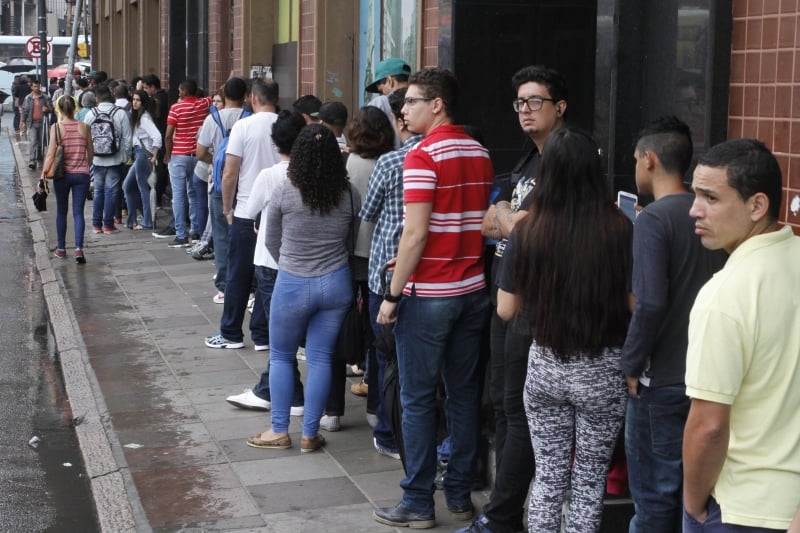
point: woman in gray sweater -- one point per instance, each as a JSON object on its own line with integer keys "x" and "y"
{"x": 310, "y": 224}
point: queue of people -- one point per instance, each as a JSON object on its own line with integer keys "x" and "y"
{"x": 595, "y": 322}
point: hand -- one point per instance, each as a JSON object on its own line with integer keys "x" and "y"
{"x": 386, "y": 314}
{"x": 166, "y": 158}
{"x": 633, "y": 386}
{"x": 701, "y": 516}
{"x": 229, "y": 217}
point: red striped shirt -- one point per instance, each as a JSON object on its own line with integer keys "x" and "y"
{"x": 453, "y": 172}
{"x": 187, "y": 115}
{"x": 75, "y": 161}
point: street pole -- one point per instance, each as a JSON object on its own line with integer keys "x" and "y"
{"x": 73, "y": 47}
{"x": 42, "y": 12}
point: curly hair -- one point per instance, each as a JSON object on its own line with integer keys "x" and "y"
{"x": 317, "y": 169}
{"x": 370, "y": 134}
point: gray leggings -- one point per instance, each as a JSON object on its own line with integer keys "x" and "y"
{"x": 581, "y": 401}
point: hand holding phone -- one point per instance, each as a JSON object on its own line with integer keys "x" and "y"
{"x": 627, "y": 204}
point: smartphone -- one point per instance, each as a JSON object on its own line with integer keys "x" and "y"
{"x": 627, "y": 204}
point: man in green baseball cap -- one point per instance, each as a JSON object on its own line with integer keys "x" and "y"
{"x": 390, "y": 74}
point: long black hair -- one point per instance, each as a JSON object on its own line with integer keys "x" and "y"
{"x": 316, "y": 168}
{"x": 573, "y": 252}
{"x": 147, "y": 106}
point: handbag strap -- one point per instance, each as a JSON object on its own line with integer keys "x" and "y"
{"x": 352, "y": 220}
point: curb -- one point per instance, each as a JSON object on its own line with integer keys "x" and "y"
{"x": 115, "y": 497}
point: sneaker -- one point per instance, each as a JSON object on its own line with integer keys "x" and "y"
{"x": 463, "y": 513}
{"x": 177, "y": 242}
{"x": 194, "y": 238}
{"x": 202, "y": 251}
{"x": 261, "y": 347}
{"x": 117, "y": 220}
{"x": 360, "y": 389}
{"x": 301, "y": 354}
{"x": 479, "y": 525}
{"x": 388, "y": 452}
{"x": 165, "y": 233}
{"x": 330, "y": 423}
{"x": 110, "y": 230}
{"x": 219, "y": 298}
{"x": 248, "y": 400}
{"x": 399, "y": 516}
{"x": 218, "y": 341}
{"x": 372, "y": 420}
{"x": 297, "y": 410}
{"x": 97, "y": 230}
{"x": 79, "y": 258}
{"x": 61, "y": 254}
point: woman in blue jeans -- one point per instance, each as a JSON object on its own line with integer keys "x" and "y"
{"x": 76, "y": 139}
{"x": 146, "y": 144}
{"x": 310, "y": 219}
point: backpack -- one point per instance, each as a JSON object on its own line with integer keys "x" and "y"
{"x": 218, "y": 162}
{"x": 105, "y": 139}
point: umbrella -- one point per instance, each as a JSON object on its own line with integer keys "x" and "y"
{"x": 61, "y": 71}
{"x": 19, "y": 64}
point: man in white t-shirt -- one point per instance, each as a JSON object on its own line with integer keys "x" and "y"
{"x": 250, "y": 149}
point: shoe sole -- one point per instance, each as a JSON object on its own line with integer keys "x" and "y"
{"x": 462, "y": 516}
{"x": 245, "y": 406}
{"x": 412, "y": 524}
{"x": 229, "y": 346}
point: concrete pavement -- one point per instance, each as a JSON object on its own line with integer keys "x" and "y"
{"x": 165, "y": 452}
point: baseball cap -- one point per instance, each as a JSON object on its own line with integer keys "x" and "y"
{"x": 308, "y": 104}
{"x": 334, "y": 113}
{"x": 392, "y": 66}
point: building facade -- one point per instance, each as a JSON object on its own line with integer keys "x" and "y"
{"x": 729, "y": 68}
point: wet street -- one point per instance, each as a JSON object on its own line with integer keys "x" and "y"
{"x": 43, "y": 485}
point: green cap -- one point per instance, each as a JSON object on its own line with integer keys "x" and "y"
{"x": 392, "y": 66}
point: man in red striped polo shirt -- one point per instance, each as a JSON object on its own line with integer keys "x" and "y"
{"x": 438, "y": 297}
{"x": 183, "y": 121}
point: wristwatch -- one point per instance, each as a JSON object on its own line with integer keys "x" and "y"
{"x": 387, "y": 295}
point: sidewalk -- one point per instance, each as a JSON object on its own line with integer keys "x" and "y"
{"x": 163, "y": 449}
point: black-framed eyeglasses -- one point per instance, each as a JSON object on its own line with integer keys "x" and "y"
{"x": 410, "y": 100}
{"x": 534, "y": 103}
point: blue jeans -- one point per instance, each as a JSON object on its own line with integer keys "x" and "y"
{"x": 713, "y": 523}
{"x": 265, "y": 285}
{"x": 237, "y": 287}
{"x": 200, "y": 209}
{"x": 440, "y": 338}
{"x": 181, "y": 169}
{"x": 79, "y": 185}
{"x": 137, "y": 191}
{"x": 107, "y": 184}
{"x": 219, "y": 232}
{"x": 654, "y": 425}
{"x": 383, "y": 429}
{"x": 312, "y": 308}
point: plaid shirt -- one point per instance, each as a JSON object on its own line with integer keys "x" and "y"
{"x": 384, "y": 205}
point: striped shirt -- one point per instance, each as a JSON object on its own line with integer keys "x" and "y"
{"x": 75, "y": 161}
{"x": 384, "y": 205}
{"x": 187, "y": 115}
{"x": 452, "y": 171}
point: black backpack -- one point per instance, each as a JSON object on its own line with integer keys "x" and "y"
{"x": 105, "y": 139}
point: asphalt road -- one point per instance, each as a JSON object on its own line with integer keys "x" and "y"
{"x": 42, "y": 488}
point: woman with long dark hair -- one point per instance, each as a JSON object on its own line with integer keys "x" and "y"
{"x": 568, "y": 279}
{"x": 310, "y": 222}
{"x": 146, "y": 144}
{"x": 76, "y": 139}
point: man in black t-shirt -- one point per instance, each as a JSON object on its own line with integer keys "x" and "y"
{"x": 541, "y": 104}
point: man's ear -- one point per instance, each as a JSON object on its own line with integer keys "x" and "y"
{"x": 759, "y": 206}
{"x": 650, "y": 159}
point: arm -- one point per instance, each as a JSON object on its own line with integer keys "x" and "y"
{"x": 373, "y": 203}
{"x": 272, "y": 237}
{"x": 705, "y": 446}
{"x": 508, "y": 304}
{"x": 230, "y": 177}
{"x": 412, "y": 243}
{"x": 203, "y": 154}
{"x": 87, "y": 134}
{"x": 168, "y": 138}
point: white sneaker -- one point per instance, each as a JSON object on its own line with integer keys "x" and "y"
{"x": 394, "y": 454}
{"x": 218, "y": 341}
{"x": 219, "y": 298}
{"x": 248, "y": 400}
{"x": 298, "y": 410}
{"x": 301, "y": 354}
{"x": 330, "y": 423}
{"x": 261, "y": 347}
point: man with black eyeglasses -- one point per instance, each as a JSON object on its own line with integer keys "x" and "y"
{"x": 540, "y": 104}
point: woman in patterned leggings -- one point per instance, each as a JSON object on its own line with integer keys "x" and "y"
{"x": 568, "y": 277}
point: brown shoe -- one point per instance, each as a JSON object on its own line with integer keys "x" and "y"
{"x": 281, "y": 443}
{"x": 311, "y": 444}
{"x": 360, "y": 389}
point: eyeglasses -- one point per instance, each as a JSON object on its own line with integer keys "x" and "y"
{"x": 534, "y": 103}
{"x": 410, "y": 100}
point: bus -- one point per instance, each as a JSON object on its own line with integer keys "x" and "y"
{"x": 12, "y": 46}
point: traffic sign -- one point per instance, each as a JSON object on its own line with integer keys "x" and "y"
{"x": 34, "y": 47}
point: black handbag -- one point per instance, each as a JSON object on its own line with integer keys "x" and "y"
{"x": 40, "y": 196}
